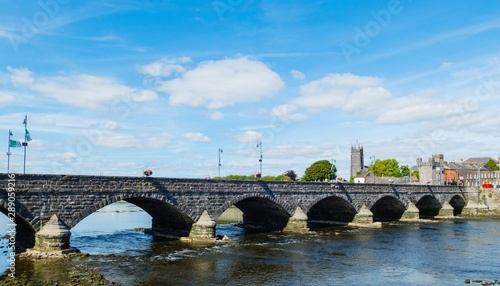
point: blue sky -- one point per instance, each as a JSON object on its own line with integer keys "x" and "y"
{"x": 111, "y": 87}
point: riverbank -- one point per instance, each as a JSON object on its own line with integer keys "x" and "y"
{"x": 56, "y": 271}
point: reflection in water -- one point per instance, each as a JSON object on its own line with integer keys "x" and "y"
{"x": 424, "y": 253}
{"x": 4, "y": 243}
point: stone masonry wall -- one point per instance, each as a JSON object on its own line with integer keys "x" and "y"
{"x": 73, "y": 198}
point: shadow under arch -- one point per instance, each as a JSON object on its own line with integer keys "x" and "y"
{"x": 458, "y": 204}
{"x": 428, "y": 206}
{"x": 25, "y": 233}
{"x": 262, "y": 215}
{"x": 167, "y": 221}
{"x": 330, "y": 211}
{"x": 387, "y": 208}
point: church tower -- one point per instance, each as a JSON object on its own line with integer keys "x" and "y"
{"x": 357, "y": 159}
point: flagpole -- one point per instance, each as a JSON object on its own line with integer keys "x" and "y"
{"x": 220, "y": 151}
{"x": 25, "y": 143}
{"x": 8, "y": 153}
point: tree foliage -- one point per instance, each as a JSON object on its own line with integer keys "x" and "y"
{"x": 319, "y": 171}
{"x": 492, "y": 164}
{"x": 405, "y": 171}
{"x": 387, "y": 167}
{"x": 253, "y": 178}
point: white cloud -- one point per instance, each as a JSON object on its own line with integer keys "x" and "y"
{"x": 109, "y": 125}
{"x": 6, "y": 98}
{"x": 216, "y": 84}
{"x": 165, "y": 67}
{"x": 297, "y": 74}
{"x": 21, "y": 77}
{"x": 248, "y": 136}
{"x": 197, "y": 137}
{"x": 370, "y": 99}
{"x": 216, "y": 115}
{"x": 135, "y": 142}
{"x": 343, "y": 91}
{"x": 66, "y": 157}
{"x": 360, "y": 94}
{"x": 80, "y": 90}
{"x": 286, "y": 112}
{"x": 418, "y": 107}
{"x": 144, "y": 95}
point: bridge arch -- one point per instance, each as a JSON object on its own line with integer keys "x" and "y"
{"x": 458, "y": 203}
{"x": 261, "y": 212}
{"x": 330, "y": 210}
{"x": 25, "y": 232}
{"x": 428, "y": 206}
{"x": 387, "y": 208}
{"x": 168, "y": 221}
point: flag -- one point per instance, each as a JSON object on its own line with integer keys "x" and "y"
{"x": 27, "y": 134}
{"x": 14, "y": 143}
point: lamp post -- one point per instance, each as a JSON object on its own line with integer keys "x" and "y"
{"x": 27, "y": 138}
{"x": 372, "y": 158}
{"x": 478, "y": 175}
{"x": 334, "y": 169}
{"x": 260, "y": 158}
{"x": 8, "y": 152}
{"x": 220, "y": 152}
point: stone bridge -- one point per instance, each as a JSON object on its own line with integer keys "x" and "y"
{"x": 47, "y": 206}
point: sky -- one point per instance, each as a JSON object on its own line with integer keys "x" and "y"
{"x": 112, "y": 87}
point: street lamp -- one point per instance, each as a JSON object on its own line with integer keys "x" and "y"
{"x": 260, "y": 158}
{"x": 372, "y": 158}
{"x": 220, "y": 152}
{"x": 478, "y": 175}
{"x": 334, "y": 168}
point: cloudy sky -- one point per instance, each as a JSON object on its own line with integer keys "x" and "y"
{"x": 113, "y": 86}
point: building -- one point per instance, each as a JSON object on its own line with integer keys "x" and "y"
{"x": 471, "y": 172}
{"x": 364, "y": 177}
{"x": 432, "y": 171}
{"x": 357, "y": 159}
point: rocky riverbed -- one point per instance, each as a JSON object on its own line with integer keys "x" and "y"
{"x": 53, "y": 269}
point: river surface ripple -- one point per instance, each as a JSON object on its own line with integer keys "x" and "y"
{"x": 420, "y": 253}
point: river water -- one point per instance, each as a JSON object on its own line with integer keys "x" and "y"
{"x": 419, "y": 253}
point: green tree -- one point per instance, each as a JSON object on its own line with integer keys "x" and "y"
{"x": 387, "y": 167}
{"x": 319, "y": 171}
{"x": 253, "y": 178}
{"x": 492, "y": 164}
{"x": 405, "y": 171}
